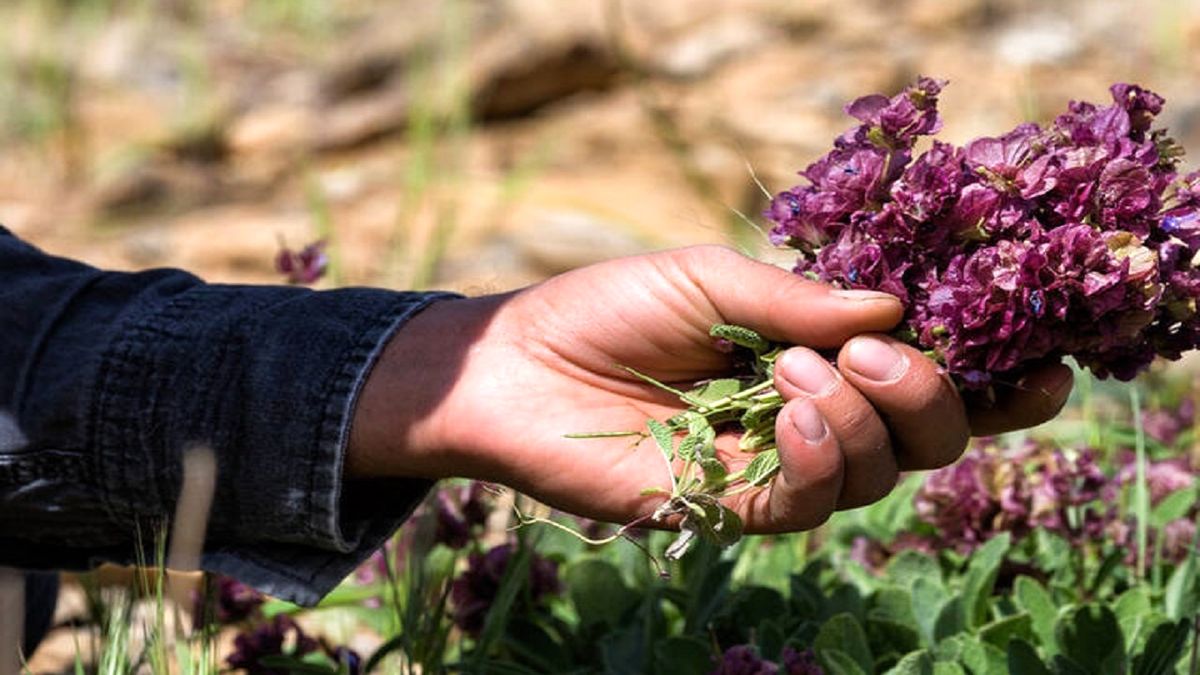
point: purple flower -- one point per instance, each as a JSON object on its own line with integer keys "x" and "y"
{"x": 459, "y": 511}
{"x": 475, "y": 589}
{"x": 233, "y": 601}
{"x": 898, "y": 121}
{"x": 1072, "y": 240}
{"x": 304, "y": 267}
{"x": 990, "y": 491}
{"x": 743, "y": 660}
{"x": 1163, "y": 478}
{"x": 269, "y": 639}
{"x": 800, "y": 662}
{"x": 1165, "y": 425}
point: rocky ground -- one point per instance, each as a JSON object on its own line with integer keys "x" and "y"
{"x": 482, "y": 145}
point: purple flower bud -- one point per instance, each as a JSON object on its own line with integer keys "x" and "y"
{"x": 743, "y": 660}
{"x": 279, "y": 636}
{"x": 303, "y": 267}
{"x": 233, "y": 601}
{"x": 800, "y": 662}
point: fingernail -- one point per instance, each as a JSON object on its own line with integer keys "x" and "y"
{"x": 860, "y": 294}
{"x": 876, "y": 360}
{"x": 807, "y": 371}
{"x": 809, "y": 421}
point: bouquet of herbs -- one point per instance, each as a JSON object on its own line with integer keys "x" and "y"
{"x": 1077, "y": 239}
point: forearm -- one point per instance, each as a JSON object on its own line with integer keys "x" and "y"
{"x": 108, "y": 377}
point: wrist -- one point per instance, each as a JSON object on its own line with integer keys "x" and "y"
{"x": 404, "y": 422}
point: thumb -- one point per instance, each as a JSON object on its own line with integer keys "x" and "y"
{"x": 783, "y": 306}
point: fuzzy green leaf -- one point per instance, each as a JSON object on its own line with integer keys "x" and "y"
{"x": 714, "y": 472}
{"x": 1002, "y": 631}
{"x": 1133, "y": 609}
{"x": 981, "y": 577}
{"x": 599, "y": 593}
{"x": 1034, "y": 599}
{"x": 762, "y": 468}
{"x": 741, "y": 336}
{"x": 913, "y": 663}
{"x": 929, "y": 597}
{"x": 842, "y": 633}
{"x": 714, "y": 390}
{"x": 907, "y": 566}
{"x": 663, "y": 437}
{"x": 981, "y": 658}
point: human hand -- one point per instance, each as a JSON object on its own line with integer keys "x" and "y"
{"x": 488, "y": 388}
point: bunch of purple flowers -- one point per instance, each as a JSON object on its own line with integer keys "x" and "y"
{"x": 1075, "y": 239}
{"x": 993, "y": 490}
{"x": 745, "y": 660}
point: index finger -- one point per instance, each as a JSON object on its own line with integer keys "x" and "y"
{"x": 1035, "y": 398}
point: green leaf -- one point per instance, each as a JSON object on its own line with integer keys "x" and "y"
{"x": 1090, "y": 636}
{"x": 714, "y": 390}
{"x": 1163, "y": 649}
{"x": 1173, "y": 507}
{"x": 949, "y": 620}
{"x": 842, "y": 633}
{"x": 913, "y": 663}
{"x": 682, "y": 655}
{"x": 981, "y": 658}
{"x": 1132, "y": 608}
{"x": 1023, "y": 659}
{"x": 599, "y": 593}
{"x": 895, "y": 604}
{"x": 1181, "y": 591}
{"x": 762, "y": 468}
{"x": 1032, "y": 597}
{"x": 1001, "y": 631}
{"x": 741, "y": 336}
{"x": 714, "y": 472}
{"x": 886, "y": 634}
{"x": 980, "y": 579}
{"x": 906, "y": 567}
{"x": 663, "y": 437}
{"x": 928, "y": 600}
{"x": 944, "y": 668}
{"x": 837, "y": 662}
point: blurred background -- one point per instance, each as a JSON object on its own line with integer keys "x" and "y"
{"x": 480, "y": 145}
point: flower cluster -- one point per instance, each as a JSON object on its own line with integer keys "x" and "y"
{"x": 745, "y": 660}
{"x": 1074, "y": 239}
{"x": 277, "y": 637}
{"x": 474, "y": 591}
{"x": 992, "y": 490}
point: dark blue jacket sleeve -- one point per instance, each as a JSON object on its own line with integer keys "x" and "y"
{"x": 106, "y": 378}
